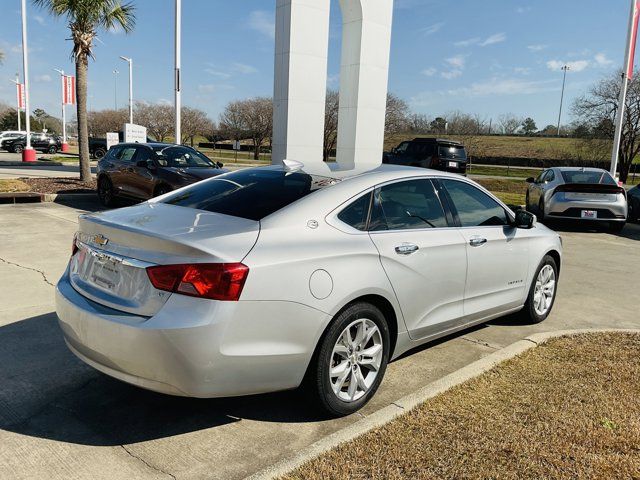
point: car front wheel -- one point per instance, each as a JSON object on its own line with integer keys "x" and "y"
{"x": 17, "y": 149}
{"x": 105, "y": 192}
{"x": 52, "y": 149}
{"x": 351, "y": 361}
{"x": 542, "y": 293}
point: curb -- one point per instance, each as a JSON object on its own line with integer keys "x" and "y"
{"x": 37, "y": 163}
{"x": 52, "y": 197}
{"x": 397, "y": 408}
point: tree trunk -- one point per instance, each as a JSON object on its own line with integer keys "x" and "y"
{"x": 83, "y": 129}
{"x": 623, "y": 169}
{"x": 256, "y": 150}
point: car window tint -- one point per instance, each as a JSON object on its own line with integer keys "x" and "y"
{"x": 551, "y": 176}
{"x": 252, "y": 193}
{"x": 474, "y": 207}
{"x": 402, "y": 147}
{"x": 113, "y": 152}
{"x": 355, "y": 215}
{"x": 126, "y": 154}
{"x": 144, "y": 154}
{"x": 588, "y": 176}
{"x": 407, "y": 205}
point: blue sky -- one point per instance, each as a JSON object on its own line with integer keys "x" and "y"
{"x": 487, "y": 57}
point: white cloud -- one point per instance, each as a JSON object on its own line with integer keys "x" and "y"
{"x": 244, "y": 68}
{"x": 217, "y": 73}
{"x": 537, "y": 48}
{"x": 42, "y": 78}
{"x": 333, "y": 80}
{"x": 207, "y": 88}
{"x": 575, "y": 66}
{"x": 39, "y": 19}
{"x": 456, "y": 61}
{"x": 456, "y": 65}
{"x": 522, "y": 70}
{"x": 263, "y": 22}
{"x": 431, "y": 29}
{"x": 490, "y": 40}
{"x": 493, "y": 39}
{"x": 602, "y": 60}
{"x": 429, "y": 72}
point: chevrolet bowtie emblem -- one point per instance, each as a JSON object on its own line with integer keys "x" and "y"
{"x": 101, "y": 240}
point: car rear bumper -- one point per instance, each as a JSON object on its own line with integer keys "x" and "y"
{"x": 194, "y": 347}
{"x": 606, "y": 211}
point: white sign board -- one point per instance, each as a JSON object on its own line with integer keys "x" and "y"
{"x": 112, "y": 139}
{"x": 236, "y": 145}
{"x": 135, "y": 133}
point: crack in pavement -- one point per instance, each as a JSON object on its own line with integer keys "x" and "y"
{"x": 147, "y": 463}
{"x": 44, "y": 276}
{"x": 479, "y": 342}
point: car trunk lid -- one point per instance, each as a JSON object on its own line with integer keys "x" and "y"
{"x": 115, "y": 248}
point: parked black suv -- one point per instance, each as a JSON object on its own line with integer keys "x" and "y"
{"x": 436, "y": 153}
{"x": 41, "y": 142}
{"x": 145, "y": 170}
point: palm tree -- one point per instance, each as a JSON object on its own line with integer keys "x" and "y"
{"x": 85, "y": 17}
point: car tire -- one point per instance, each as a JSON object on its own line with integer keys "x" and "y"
{"x": 17, "y": 149}
{"x": 106, "y": 193}
{"x": 535, "y": 311}
{"x": 338, "y": 398}
{"x": 616, "y": 227}
{"x": 52, "y": 149}
{"x": 541, "y": 210}
{"x": 99, "y": 153}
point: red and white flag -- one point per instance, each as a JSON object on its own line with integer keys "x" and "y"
{"x": 633, "y": 34}
{"x": 20, "y": 95}
{"x": 69, "y": 90}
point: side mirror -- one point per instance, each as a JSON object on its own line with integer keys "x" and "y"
{"x": 525, "y": 220}
{"x": 530, "y": 180}
{"x": 220, "y": 164}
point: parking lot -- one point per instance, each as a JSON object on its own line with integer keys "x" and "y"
{"x": 61, "y": 419}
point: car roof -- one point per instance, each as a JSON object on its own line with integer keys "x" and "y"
{"x": 436, "y": 140}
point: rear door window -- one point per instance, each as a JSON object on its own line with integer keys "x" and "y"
{"x": 410, "y": 204}
{"x": 126, "y": 154}
{"x": 251, "y": 193}
{"x": 357, "y": 213}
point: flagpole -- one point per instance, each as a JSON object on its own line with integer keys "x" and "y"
{"x": 626, "y": 77}
{"x": 28, "y": 154}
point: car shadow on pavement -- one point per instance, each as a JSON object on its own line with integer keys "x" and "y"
{"x": 630, "y": 231}
{"x": 48, "y": 393}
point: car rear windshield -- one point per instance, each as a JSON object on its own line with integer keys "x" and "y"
{"x": 579, "y": 176}
{"x": 452, "y": 152}
{"x": 252, "y": 193}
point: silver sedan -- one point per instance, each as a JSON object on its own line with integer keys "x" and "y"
{"x": 269, "y": 278}
{"x": 586, "y": 194}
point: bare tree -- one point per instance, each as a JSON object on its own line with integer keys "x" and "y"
{"x": 99, "y": 122}
{"x": 194, "y": 123}
{"x": 251, "y": 118}
{"x": 330, "y": 123}
{"x": 597, "y": 109}
{"x": 397, "y": 115}
{"x": 509, "y": 123}
{"x": 419, "y": 123}
{"x": 157, "y": 117}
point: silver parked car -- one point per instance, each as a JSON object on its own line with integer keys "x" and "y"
{"x": 589, "y": 194}
{"x": 268, "y": 278}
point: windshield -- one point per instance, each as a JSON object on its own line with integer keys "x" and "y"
{"x": 252, "y": 193}
{"x": 182, "y": 157}
{"x": 452, "y": 152}
{"x": 592, "y": 177}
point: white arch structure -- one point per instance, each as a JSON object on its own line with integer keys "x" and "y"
{"x": 302, "y": 48}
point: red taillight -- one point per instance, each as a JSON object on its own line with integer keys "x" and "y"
{"x": 217, "y": 281}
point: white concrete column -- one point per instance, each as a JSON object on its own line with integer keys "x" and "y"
{"x": 364, "y": 75}
{"x": 302, "y": 47}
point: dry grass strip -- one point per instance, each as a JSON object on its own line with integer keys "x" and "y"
{"x": 569, "y": 408}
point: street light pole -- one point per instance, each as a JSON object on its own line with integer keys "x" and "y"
{"x": 115, "y": 89}
{"x": 130, "y": 62}
{"x": 65, "y": 147}
{"x": 564, "y": 79}
{"x": 178, "y": 99}
{"x": 28, "y": 154}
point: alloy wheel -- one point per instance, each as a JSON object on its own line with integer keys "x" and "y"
{"x": 356, "y": 360}
{"x": 544, "y": 290}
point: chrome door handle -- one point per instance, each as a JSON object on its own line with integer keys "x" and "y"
{"x": 406, "y": 249}
{"x": 477, "y": 241}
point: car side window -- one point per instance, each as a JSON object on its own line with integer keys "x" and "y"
{"x": 127, "y": 154}
{"x": 402, "y": 148}
{"x": 474, "y": 207}
{"x": 550, "y": 176}
{"x": 410, "y": 204}
{"x": 356, "y": 214}
{"x": 540, "y": 178}
{"x": 144, "y": 154}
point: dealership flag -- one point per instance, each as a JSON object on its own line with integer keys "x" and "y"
{"x": 20, "y": 95}
{"x": 69, "y": 90}
{"x": 631, "y": 52}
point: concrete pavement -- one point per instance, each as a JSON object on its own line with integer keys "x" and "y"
{"x": 61, "y": 419}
